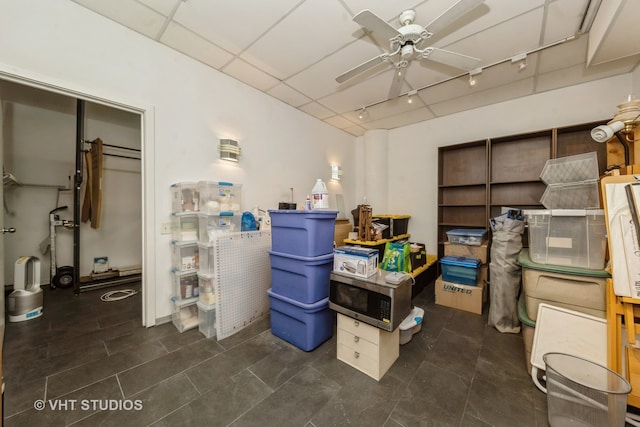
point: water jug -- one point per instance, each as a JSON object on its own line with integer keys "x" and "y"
{"x": 319, "y": 196}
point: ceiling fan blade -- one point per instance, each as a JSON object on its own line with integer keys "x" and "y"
{"x": 396, "y": 83}
{"x": 361, "y": 68}
{"x": 451, "y": 14}
{"x": 453, "y": 59}
{"x": 378, "y": 26}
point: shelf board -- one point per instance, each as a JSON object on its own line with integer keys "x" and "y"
{"x": 526, "y": 181}
{"x": 461, "y": 206}
{"x": 478, "y": 184}
{"x": 476, "y": 225}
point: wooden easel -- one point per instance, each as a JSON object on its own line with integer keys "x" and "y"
{"x": 364, "y": 223}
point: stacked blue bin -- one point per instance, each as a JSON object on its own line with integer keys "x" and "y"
{"x": 301, "y": 262}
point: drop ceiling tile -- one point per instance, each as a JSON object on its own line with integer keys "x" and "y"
{"x": 339, "y": 122}
{"x": 355, "y": 130}
{"x": 503, "y": 40}
{"x": 288, "y": 95}
{"x": 190, "y": 44}
{"x": 398, "y": 120}
{"x": 563, "y": 19}
{"x": 565, "y": 55}
{"x": 486, "y": 15}
{"x": 578, "y": 74}
{"x": 165, "y": 7}
{"x": 320, "y": 79}
{"x": 482, "y": 98}
{"x": 232, "y": 25}
{"x": 311, "y": 32}
{"x": 250, "y": 75}
{"x": 386, "y": 10}
{"x": 129, "y": 13}
{"x": 370, "y": 91}
{"x": 317, "y": 110}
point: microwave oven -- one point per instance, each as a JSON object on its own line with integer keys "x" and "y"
{"x": 371, "y": 300}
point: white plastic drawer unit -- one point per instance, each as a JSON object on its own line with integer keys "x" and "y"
{"x": 366, "y": 348}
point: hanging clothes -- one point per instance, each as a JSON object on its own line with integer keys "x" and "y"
{"x": 505, "y": 272}
{"x": 92, "y": 204}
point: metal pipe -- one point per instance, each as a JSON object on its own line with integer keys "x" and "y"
{"x": 76, "y": 196}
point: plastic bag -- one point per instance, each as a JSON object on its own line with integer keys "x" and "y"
{"x": 248, "y": 222}
{"x": 397, "y": 257}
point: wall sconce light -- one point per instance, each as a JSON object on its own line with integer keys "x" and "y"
{"x": 229, "y": 150}
{"x": 410, "y": 96}
{"x": 472, "y": 76}
{"x": 336, "y": 172}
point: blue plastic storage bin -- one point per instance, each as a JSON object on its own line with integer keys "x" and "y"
{"x": 302, "y": 233}
{"x": 304, "y": 325}
{"x": 460, "y": 269}
{"x": 304, "y": 279}
{"x": 467, "y": 236}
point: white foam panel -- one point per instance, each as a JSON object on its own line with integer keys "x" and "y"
{"x": 242, "y": 277}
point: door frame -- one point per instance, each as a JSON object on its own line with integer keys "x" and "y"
{"x": 147, "y": 120}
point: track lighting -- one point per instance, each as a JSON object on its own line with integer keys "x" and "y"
{"x": 472, "y": 74}
{"x": 363, "y": 114}
{"x": 410, "y": 96}
{"x": 521, "y": 60}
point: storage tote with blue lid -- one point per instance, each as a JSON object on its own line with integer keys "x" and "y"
{"x": 467, "y": 236}
{"x": 460, "y": 269}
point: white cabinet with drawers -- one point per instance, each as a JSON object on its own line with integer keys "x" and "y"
{"x": 365, "y": 347}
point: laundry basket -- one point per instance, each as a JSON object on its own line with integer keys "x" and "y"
{"x": 584, "y": 393}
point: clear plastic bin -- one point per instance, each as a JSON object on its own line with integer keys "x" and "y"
{"x": 184, "y": 197}
{"x": 184, "y": 227}
{"x": 205, "y": 289}
{"x": 185, "y": 284}
{"x": 206, "y": 320}
{"x": 467, "y": 236}
{"x": 184, "y": 313}
{"x": 568, "y": 237}
{"x": 211, "y": 226}
{"x": 185, "y": 255}
{"x": 584, "y": 393}
{"x": 205, "y": 252}
{"x": 216, "y": 197}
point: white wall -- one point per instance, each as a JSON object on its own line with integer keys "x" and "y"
{"x": 65, "y": 45}
{"x": 413, "y": 150}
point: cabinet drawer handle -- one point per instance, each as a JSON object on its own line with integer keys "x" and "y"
{"x": 356, "y": 339}
{"x": 356, "y": 354}
{"x": 356, "y": 323}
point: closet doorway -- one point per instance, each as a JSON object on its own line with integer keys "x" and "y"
{"x": 39, "y": 165}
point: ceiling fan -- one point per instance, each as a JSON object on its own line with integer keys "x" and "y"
{"x": 405, "y": 43}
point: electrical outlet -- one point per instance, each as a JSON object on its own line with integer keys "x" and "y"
{"x": 166, "y": 228}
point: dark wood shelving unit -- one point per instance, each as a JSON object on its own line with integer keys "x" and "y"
{"x": 477, "y": 179}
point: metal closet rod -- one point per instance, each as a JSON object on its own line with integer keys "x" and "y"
{"x": 118, "y": 147}
{"x": 114, "y": 146}
{"x": 536, "y": 50}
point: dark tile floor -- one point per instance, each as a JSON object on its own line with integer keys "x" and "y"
{"x": 94, "y": 364}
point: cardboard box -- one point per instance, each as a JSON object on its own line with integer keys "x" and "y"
{"x": 462, "y": 297}
{"x": 342, "y": 230}
{"x": 355, "y": 261}
{"x": 456, "y": 249}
